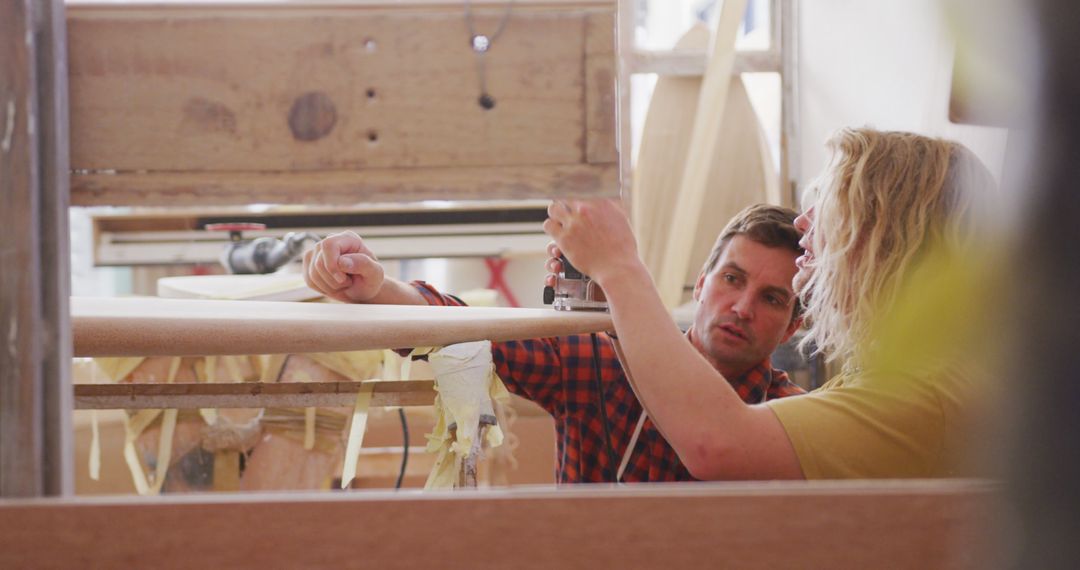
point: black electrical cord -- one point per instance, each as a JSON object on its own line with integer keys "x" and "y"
{"x": 404, "y": 447}
{"x": 613, "y": 471}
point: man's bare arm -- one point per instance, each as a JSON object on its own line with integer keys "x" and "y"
{"x": 342, "y": 267}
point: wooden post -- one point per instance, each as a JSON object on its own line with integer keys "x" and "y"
{"x": 34, "y": 383}
{"x": 55, "y": 244}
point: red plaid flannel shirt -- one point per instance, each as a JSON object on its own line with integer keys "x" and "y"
{"x": 557, "y": 374}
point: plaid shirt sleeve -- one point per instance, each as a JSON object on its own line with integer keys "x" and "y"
{"x": 530, "y": 368}
{"x": 782, "y": 386}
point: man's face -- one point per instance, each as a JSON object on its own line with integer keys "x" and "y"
{"x": 744, "y": 305}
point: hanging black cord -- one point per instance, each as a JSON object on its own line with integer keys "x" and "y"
{"x": 404, "y": 447}
{"x": 612, "y": 474}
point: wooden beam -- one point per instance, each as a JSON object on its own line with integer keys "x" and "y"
{"x": 286, "y": 89}
{"x": 186, "y": 327}
{"x": 325, "y": 93}
{"x": 857, "y": 525}
{"x": 52, "y": 74}
{"x": 251, "y": 395}
{"x": 35, "y": 425}
{"x": 342, "y": 187}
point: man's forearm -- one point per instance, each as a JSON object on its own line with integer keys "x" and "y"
{"x": 395, "y": 292}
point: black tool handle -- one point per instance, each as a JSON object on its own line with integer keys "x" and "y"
{"x": 569, "y": 271}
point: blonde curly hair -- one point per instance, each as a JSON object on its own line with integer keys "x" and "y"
{"x": 884, "y": 200}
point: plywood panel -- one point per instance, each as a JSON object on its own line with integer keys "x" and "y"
{"x": 919, "y": 524}
{"x": 285, "y": 88}
{"x": 600, "y": 101}
{"x": 185, "y": 327}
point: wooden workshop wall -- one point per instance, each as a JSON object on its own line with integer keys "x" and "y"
{"x": 34, "y": 260}
{"x": 300, "y": 103}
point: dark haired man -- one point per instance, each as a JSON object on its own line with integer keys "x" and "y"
{"x": 745, "y": 309}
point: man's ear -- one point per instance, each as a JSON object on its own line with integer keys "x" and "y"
{"x": 699, "y": 284}
{"x": 794, "y": 326}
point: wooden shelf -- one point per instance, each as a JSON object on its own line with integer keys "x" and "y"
{"x": 251, "y": 395}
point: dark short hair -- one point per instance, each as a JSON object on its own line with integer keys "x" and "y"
{"x": 771, "y": 226}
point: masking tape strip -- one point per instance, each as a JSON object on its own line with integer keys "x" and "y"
{"x": 356, "y": 433}
{"x": 165, "y": 441}
{"x": 95, "y": 447}
{"x": 309, "y": 428}
{"x": 164, "y": 456}
{"x": 209, "y": 415}
{"x": 454, "y": 449}
{"x": 115, "y": 369}
{"x": 233, "y": 366}
{"x": 133, "y": 426}
{"x": 227, "y": 470}
{"x": 390, "y": 358}
{"x": 174, "y": 368}
{"x": 272, "y": 367}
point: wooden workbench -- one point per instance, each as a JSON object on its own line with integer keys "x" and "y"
{"x": 857, "y": 525}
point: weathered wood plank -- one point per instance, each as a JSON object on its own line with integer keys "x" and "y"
{"x": 214, "y": 89}
{"x": 251, "y": 395}
{"x": 920, "y": 524}
{"x": 341, "y": 187}
{"x": 22, "y": 327}
{"x": 600, "y": 101}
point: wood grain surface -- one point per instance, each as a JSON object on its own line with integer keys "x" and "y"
{"x": 148, "y": 326}
{"x": 361, "y": 92}
{"x": 189, "y": 395}
{"x": 857, "y": 525}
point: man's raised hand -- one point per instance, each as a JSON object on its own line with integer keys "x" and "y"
{"x": 342, "y": 267}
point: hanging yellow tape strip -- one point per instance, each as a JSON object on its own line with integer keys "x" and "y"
{"x": 209, "y": 415}
{"x": 164, "y": 455}
{"x": 95, "y": 447}
{"x": 309, "y": 428}
{"x": 272, "y": 366}
{"x": 356, "y": 433}
{"x": 135, "y": 425}
{"x": 115, "y": 369}
{"x": 232, "y": 364}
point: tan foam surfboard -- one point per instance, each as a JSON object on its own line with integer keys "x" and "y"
{"x": 149, "y": 326}
{"x": 740, "y": 173}
{"x": 275, "y": 287}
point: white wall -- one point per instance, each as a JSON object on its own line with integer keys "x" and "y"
{"x": 880, "y": 63}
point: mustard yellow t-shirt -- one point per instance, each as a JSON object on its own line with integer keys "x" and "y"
{"x": 865, "y": 425}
